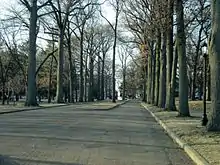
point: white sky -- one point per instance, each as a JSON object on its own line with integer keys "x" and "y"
{"x": 5, "y": 3}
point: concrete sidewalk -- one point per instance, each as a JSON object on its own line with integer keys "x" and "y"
{"x": 202, "y": 146}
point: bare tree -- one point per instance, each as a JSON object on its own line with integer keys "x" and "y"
{"x": 117, "y": 5}
{"x": 92, "y": 47}
{"x": 124, "y": 53}
{"x": 33, "y": 9}
{"x": 170, "y": 105}
{"x": 214, "y": 120}
{"x": 157, "y": 79}
{"x": 138, "y": 21}
{"x": 61, "y": 12}
{"x": 181, "y": 49}
{"x": 163, "y": 63}
{"x": 12, "y": 64}
{"x": 106, "y": 37}
{"x": 86, "y": 12}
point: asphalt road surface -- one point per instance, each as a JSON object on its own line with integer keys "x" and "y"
{"x": 126, "y": 135}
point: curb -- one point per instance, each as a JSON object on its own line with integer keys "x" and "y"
{"x": 111, "y": 108}
{"x": 37, "y": 108}
{"x": 31, "y": 109}
{"x": 193, "y": 154}
{"x": 117, "y": 105}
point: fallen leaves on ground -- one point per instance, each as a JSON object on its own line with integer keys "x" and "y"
{"x": 189, "y": 129}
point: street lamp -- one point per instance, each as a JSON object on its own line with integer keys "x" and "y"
{"x": 205, "y": 55}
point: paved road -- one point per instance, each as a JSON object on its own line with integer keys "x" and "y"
{"x": 64, "y": 136}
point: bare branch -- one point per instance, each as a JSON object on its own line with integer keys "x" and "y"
{"x": 26, "y": 4}
{"x": 107, "y": 20}
{"x": 44, "y": 4}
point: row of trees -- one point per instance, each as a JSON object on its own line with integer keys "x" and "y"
{"x": 74, "y": 61}
{"x": 171, "y": 51}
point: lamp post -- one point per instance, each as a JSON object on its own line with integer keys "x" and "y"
{"x": 205, "y": 55}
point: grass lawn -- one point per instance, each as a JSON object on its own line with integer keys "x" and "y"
{"x": 189, "y": 129}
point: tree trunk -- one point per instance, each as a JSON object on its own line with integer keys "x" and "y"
{"x": 103, "y": 79}
{"x": 81, "y": 83}
{"x": 71, "y": 76}
{"x": 109, "y": 86}
{"x": 172, "y": 103}
{"x": 214, "y": 119}
{"x": 71, "y": 88}
{"x": 153, "y": 76}
{"x": 181, "y": 48}
{"x": 75, "y": 83}
{"x": 149, "y": 75}
{"x": 91, "y": 80}
{"x": 85, "y": 81}
{"x": 190, "y": 86}
{"x": 113, "y": 64}
{"x": 3, "y": 93}
{"x": 107, "y": 89}
{"x": 157, "y": 65}
{"x": 169, "y": 48}
{"x": 144, "y": 99}
{"x": 68, "y": 91}
{"x": 76, "y": 94}
{"x": 31, "y": 99}
{"x": 162, "y": 93}
{"x": 99, "y": 79}
{"x": 196, "y": 64}
{"x": 200, "y": 88}
{"x": 193, "y": 94}
{"x": 3, "y": 82}
{"x": 50, "y": 75}
{"x": 59, "y": 92}
{"x": 145, "y": 68}
{"x": 124, "y": 83}
{"x": 50, "y": 79}
{"x": 209, "y": 84}
{"x": 71, "y": 71}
